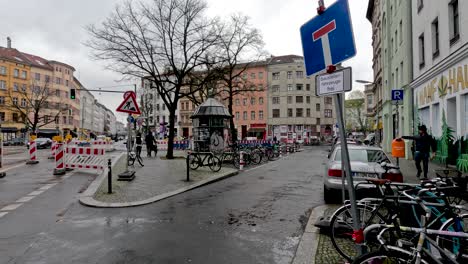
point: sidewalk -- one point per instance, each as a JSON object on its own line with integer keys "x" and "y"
{"x": 408, "y": 169}
{"x": 157, "y": 180}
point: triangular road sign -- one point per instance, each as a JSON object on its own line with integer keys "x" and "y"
{"x": 129, "y": 105}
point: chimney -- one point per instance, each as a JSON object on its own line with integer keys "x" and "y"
{"x": 9, "y": 42}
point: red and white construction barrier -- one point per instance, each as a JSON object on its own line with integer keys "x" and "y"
{"x": 53, "y": 147}
{"x": 107, "y": 145}
{"x": 59, "y": 159}
{"x": 85, "y": 158}
{"x": 32, "y": 153}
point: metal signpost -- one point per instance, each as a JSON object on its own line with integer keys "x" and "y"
{"x": 327, "y": 39}
{"x": 397, "y": 99}
{"x": 130, "y": 106}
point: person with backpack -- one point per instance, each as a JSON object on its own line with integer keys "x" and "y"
{"x": 151, "y": 144}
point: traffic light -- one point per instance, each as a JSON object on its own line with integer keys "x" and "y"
{"x": 72, "y": 93}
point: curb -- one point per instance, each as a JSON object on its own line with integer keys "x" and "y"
{"x": 307, "y": 247}
{"x": 88, "y": 196}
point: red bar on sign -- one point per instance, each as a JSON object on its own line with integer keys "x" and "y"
{"x": 324, "y": 30}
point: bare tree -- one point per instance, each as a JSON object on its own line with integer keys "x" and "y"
{"x": 163, "y": 41}
{"x": 146, "y": 107}
{"x": 33, "y": 106}
{"x": 241, "y": 47}
{"x": 355, "y": 110}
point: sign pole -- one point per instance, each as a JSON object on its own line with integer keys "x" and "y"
{"x": 346, "y": 167}
{"x": 398, "y": 124}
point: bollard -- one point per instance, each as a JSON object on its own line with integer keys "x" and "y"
{"x": 241, "y": 161}
{"x": 187, "y": 162}
{"x": 59, "y": 160}
{"x": 280, "y": 151}
{"x": 109, "y": 176}
{"x": 32, "y": 153}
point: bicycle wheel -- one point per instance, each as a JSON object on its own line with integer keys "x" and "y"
{"x": 455, "y": 245}
{"x": 236, "y": 160}
{"x": 255, "y": 157}
{"x": 193, "y": 161}
{"x": 383, "y": 257}
{"x": 214, "y": 163}
{"x": 341, "y": 225}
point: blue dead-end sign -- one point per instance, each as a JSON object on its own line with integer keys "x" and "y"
{"x": 328, "y": 39}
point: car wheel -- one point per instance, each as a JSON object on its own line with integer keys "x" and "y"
{"x": 330, "y": 196}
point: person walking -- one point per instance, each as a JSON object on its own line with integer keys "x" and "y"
{"x": 150, "y": 144}
{"x": 423, "y": 145}
{"x": 138, "y": 143}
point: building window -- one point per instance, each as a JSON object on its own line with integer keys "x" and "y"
{"x": 66, "y": 83}
{"x": 24, "y": 74}
{"x": 245, "y": 115}
{"x": 244, "y": 76}
{"x": 37, "y": 76}
{"x": 2, "y": 70}
{"x": 276, "y": 113}
{"x": 328, "y": 100}
{"x": 252, "y": 115}
{"x": 244, "y": 101}
{"x": 289, "y": 74}
{"x": 237, "y": 102}
{"x": 317, "y": 107}
{"x": 237, "y": 115}
{"x": 299, "y": 74}
{"x": 391, "y": 47}
{"x": 23, "y": 87}
{"x": 252, "y": 75}
{"x": 328, "y": 113}
{"x": 290, "y": 87}
{"x": 453, "y": 20}
{"x": 64, "y": 119}
{"x": 46, "y": 104}
{"x": 276, "y": 100}
{"x": 260, "y": 87}
{"x": 163, "y": 107}
{"x": 276, "y": 75}
{"x": 318, "y": 121}
{"x": 2, "y": 100}
{"x": 260, "y": 100}
{"x": 299, "y": 112}
{"x": 2, "y": 116}
{"x": 15, "y": 100}
{"x": 3, "y": 85}
{"x": 56, "y": 120}
{"x": 299, "y": 99}
{"x": 15, "y": 87}
{"x": 421, "y": 50}
{"x": 58, "y": 80}
{"x": 420, "y": 5}
{"x": 15, "y": 117}
{"x": 275, "y": 88}
{"x": 370, "y": 100}
{"x": 157, "y": 107}
{"x": 16, "y": 73}
{"x": 260, "y": 75}
{"x": 23, "y": 102}
{"x": 66, "y": 94}
{"x": 260, "y": 115}
{"x": 47, "y": 78}
{"x": 396, "y": 40}
{"x": 307, "y": 99}
{"x": 435, "y": 38}
{"x": 396, "y": 78}
{"x": 401, "y": 32}
{"x": 308, "y": 87}
{"x": 290, "y": 112}
{"x": 299, "y": 87}
{"x": 308, "y": 112}
{"x": 70, "y": 120}
{"x": 401, "y": 71}
{"x": 252, "y": 101}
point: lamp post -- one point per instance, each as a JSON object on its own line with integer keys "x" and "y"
{"x": 379, "y": 108}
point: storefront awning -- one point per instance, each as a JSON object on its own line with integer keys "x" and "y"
{"x": 9, "y": 129}
{"x": 256, "y": 129}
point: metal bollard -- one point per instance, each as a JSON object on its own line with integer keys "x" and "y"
{"x": 187, "y": 161}
{"x": 280, "y": 151}
{"x": 241, "y": 161}
{"x": 109, "y": 176}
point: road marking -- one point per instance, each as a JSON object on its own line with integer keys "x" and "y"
{"x": 2, "y": 214}
{"x": 25, "y": 199}
{"x": 12, "y": 167}
{"x": 11, "y": 207}
{"x": 35, "y": 193}
{"x": 47, "y": 186}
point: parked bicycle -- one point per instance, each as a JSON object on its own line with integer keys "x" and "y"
{"x": 201, "y": 159}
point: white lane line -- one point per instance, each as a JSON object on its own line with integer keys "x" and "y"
{"x": 35, "y": 193}
{"x": 2, "y": 214}
{"x": 13, "y": 167}
{"x": 47, "y": 186}
{"x": 11, "y": 207}
{"x": 25, "y": 199}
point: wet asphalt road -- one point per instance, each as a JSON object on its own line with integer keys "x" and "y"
{"x": 255, "y": 217}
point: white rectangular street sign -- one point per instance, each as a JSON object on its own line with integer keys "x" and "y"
{"x": 333, "y": 83}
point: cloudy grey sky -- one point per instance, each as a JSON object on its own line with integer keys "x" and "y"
{"x": 54, "y": 29}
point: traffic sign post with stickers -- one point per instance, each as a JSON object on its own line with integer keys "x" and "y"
{"x": 130, "y": 106}
{"x": 327, "y": 40}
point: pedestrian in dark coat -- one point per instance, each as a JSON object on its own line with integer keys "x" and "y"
{"x": 423, "y": 145}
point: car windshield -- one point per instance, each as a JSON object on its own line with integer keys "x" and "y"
{"x": 363, "y": 155}
{"x": 41, "y": 139}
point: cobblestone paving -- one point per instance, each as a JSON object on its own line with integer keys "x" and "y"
{"x": 326, "y": 253}
{"x": 156, "y": 177}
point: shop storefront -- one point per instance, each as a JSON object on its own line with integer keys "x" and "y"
{"x": 257, "y": 130}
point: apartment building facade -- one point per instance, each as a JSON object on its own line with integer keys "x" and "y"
{"x": 440, "y": 65}
{"x": 294, "y": 112}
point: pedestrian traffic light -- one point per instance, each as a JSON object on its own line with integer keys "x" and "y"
{"x": 72, "y": 93}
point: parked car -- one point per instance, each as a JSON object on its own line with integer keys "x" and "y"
{"x": 366, "y": 162}
{"x": 370, "y": 139}
{"x": 14, "y": 142}
{"x": 42, "y": 143}
{"x": 314, "y": 140}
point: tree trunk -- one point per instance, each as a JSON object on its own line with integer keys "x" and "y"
{"x": 170, "y": 141}
{"x": 231, "y": 120}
